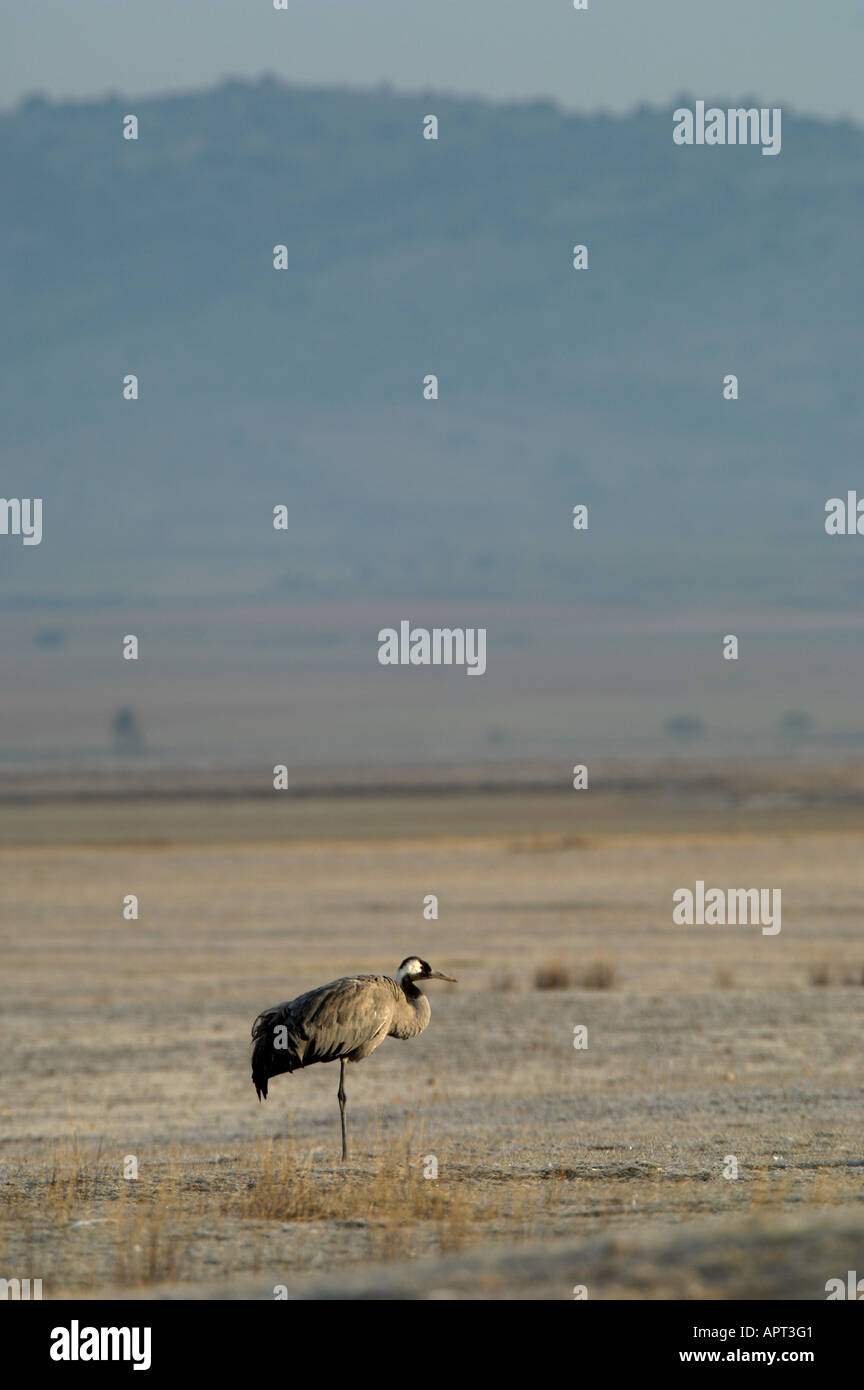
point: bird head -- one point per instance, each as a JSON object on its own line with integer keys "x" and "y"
{"x": 414, "y": 969}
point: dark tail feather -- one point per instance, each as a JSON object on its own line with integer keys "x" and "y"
{"x": 259, "y": 1074}
{"x": 266, "y": 1060}
{"x": 262, "y": 1048}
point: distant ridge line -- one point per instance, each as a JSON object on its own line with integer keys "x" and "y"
{"x": 658, "y": 779}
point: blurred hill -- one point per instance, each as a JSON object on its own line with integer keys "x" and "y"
{"x": 409, "y": 257}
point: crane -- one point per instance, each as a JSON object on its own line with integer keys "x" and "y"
{"x": 341, "y": 1022}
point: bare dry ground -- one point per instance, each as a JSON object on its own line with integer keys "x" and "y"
{"x": 556, "y": 1166}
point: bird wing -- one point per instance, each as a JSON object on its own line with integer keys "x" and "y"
{"x": 347, "y": 1016}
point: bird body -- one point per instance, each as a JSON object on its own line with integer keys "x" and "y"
{"x": 343, "y": 1021}
{"x": 347, "y": 1018}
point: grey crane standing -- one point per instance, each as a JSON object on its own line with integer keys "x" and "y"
{"x": 341, "y": 1022}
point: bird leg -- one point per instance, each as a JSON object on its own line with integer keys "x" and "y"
{"x": 341, "y": 1094}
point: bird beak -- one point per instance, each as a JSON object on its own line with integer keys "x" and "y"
{"x": 436, "y": 975}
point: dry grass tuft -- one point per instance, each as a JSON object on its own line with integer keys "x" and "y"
{"x": 823, "y": 972}
{"x": 132, "y": 1231}
{"x": 552, "y": 974}
{"x": 406, "y": 1189}
{"x": 598, "y": 974}
{"x": 819, "y": 973}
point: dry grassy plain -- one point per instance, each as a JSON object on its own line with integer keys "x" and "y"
{"x": 556, "y": 1167}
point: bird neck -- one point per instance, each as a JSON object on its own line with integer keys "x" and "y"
{"x": 412, "y": 1017}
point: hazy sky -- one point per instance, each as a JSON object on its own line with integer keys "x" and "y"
{"x": 802, "y": 53}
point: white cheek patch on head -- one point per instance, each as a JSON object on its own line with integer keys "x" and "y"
{"x": 409, "y": 968}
